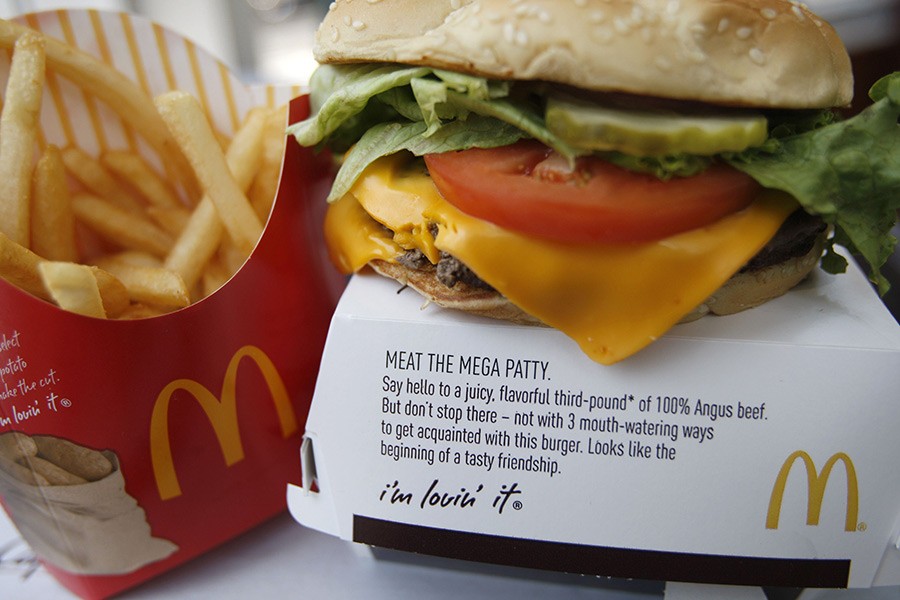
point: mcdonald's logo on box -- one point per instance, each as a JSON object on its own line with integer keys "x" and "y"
{"x": 816, "y": 482}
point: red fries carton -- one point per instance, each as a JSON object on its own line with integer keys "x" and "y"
{"x": 128, "y": 447}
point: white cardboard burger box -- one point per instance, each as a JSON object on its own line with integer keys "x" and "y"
{"x": 757, "y": 449}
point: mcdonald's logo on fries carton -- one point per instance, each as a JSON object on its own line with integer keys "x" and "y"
{"x": 221, "y": 414}
{"x": 161, "y": 334}
{"x": 816, "y": 483}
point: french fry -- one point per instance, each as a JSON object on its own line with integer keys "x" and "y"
{"x": 19, "y": 266}
{"x": 130, "y": 257}
{"x": 112, "y": 292}
{"x": 52, "y": 220}
{"x": 130, "y": 167}
{"x": 202, "y": 234}
{"x": 97, "y": 179}
{"x": 215, "y": 276}
{"x": 230, "y": 257}
{"x": 18, "y": 133}
{"x": 265, "y": 182}
{"x": 141, "y": 311}
{"x": 85, "y": 462}
{"x": 189, "y": 125}
{"x": 73, "y": 287}
{"x": 149, "y": 285}
{"x": 197, "y": 243}
{"x": 172, "y": 220}
{"x": 117, "y": 91}
{"x": 123, "y": 228}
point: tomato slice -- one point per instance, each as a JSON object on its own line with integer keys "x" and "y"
{"x": 527, "y": 188}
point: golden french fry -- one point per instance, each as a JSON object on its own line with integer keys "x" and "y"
{"x": 73, "y": 287}
{"x": 19, "y": 266}
{"x": 189, "y": 125}
{"x": 265, "y": 182}
{"x": 97, "y": 179}
{"x": 126, "y": 229}
{"x": 197, "y": 243}
{"x": 19, "y": 122}
{"x": 53, "y": 474}
{"x": 52, "y": 221}
{"x": 141, "y": 311}
{"x": 172, "y": 220}
{"x": 81, "y": 461}
{"x": 153, "y": 286}
{"x": 15, "y": 445}
{"x": 202, "y": 234}
{"x": 112, "y": 292}
{"x": 130, "y": 167}
{"x": 121, "y": 94}
{"x": 230, "y": 257}
{"x": 214, "y": 276}
{"x": 130, "y": 257}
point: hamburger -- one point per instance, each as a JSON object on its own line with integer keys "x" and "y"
{"x": 609, "y": 168}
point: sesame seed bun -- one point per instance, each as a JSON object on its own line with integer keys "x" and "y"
{"x": 767, "y": 53}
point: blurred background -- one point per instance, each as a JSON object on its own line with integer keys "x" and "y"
{"x": 271, "y": 41}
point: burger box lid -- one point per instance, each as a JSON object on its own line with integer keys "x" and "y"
{"x": 755, "y": 449}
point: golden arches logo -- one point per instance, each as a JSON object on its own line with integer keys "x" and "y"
{"x": 816, "y": 483}
{"x": 221, "y": 413}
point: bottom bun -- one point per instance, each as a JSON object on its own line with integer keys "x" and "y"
{"x": 748, "y": 289}
{"x": 744, "y": 290}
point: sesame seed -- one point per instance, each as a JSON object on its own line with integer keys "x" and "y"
{"x": 662, "y": 63}
{"x": 798, "y": 12}
{"x": 358, "y": 25}
{"x": 637, "y": 14}
{"x": 696, "y": 56}
{"x": 768, "y": 13}
{"x": 347, "y": 20}
{"x": 335, "y": 34}
{"x": 603, "y": 35}
{"x": 621, "y": 25}
{"x": 509, "y": 32}
{"x": 743, "y": 33}
{"x": 723, "y": 25}
{"x": 597, "y": 16}
{"x": 757, "y": 56}
{"x": 521, "y": 38}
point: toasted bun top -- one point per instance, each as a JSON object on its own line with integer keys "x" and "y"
{"x": 770, "y": 53}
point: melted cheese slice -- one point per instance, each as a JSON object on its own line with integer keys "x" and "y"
{"x": 613, "y": 300}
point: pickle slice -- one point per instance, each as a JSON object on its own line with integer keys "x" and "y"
{"x": 652, "y": 133}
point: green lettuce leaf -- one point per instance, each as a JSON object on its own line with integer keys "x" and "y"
{"x": 387, "y": 138}
{"x": 847, "y": 172}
